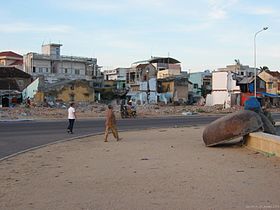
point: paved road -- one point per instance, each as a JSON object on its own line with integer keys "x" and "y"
{"x": 19, "y": 136}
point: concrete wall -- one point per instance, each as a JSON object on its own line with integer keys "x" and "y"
{"x": 31, "y": 89}
{"x": 223, "y": 86}
{"x": 263, "y": 142}
{"x": 76, "y": 91}
{"x": 219, "y": 80}
{"x": 81, "y": 93}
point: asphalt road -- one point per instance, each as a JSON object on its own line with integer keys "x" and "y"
{"x": 19, "y": 136}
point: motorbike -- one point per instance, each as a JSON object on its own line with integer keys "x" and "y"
{"x": 127, "y": 111}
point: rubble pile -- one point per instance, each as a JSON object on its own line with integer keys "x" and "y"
{"x": 98, "y": 110}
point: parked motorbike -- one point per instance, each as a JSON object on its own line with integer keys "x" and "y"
{"x": 128, "y": 111}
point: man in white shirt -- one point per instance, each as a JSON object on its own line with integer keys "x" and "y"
{"x": 71, "y": 118}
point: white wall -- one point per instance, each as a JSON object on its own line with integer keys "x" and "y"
{"x": 31, "y": 89}
{"x": 219, "y": 80}
{"x": 223, "y": 86}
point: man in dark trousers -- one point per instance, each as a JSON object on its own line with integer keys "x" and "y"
{"x": 110, "y": 124}
{"x": 71, "y": 118}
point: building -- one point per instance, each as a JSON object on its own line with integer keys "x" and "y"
{"x": 142, "y": 83}
{"x": 173, "y": 89}
{"x": 272, "y": 80}
{"x": 224, "y": 89}
{"x": 143, "y": 75}
{"x": 55, "y": 67}
{"x": 11, "y": 59}
{"x": 226, "y": 83}
{"x": 118, "y": 75}
{"x": 64, "y": 92}
{"x": 239, "y": 70}
{"x": 202, "y": 83}
{"x": 12, "y": 82}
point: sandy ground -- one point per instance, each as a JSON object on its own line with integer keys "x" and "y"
{"x": 152, "y": 169}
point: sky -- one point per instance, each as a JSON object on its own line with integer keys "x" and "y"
{"x": 201, "y": 34}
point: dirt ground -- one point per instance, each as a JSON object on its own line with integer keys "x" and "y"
{"x": 152, "y": 169}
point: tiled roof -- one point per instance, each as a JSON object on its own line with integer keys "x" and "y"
{"x": 10, "y": 54}
{"x": 12, "y": 72}
{"x": 274, "y": 73}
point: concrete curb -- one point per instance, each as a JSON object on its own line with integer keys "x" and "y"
{"x": 52, "y": 143}
{"x": 264, "y": 142}
{"x": 63, "y": 140}
{"x": 15, "y": 120}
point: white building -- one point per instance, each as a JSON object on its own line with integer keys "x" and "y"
{"x": 224, "y": 89}
{"x": 116, "y": 74}
{"x": 55, "y": 67}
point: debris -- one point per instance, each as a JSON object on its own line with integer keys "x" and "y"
{"x": 187, "y": 113}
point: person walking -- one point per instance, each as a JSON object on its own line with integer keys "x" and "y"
{"x": 71, "y": 118}
{"x": 110, "y": 124}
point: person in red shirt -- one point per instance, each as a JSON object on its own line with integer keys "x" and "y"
{"x": 110, "y": 124}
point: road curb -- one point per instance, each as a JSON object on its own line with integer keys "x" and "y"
{"x": 48, "y": 144}
{"x": 264, "y": 142}
{"x": 70, "y": 139}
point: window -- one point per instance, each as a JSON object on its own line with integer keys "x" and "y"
{"x": 47, "y": 70}
{"x": 34, "y": 69}
{"x": 77, "y": 71}
{"x": 262, "y": 84}
{"x": 40, "y": 69}
{"x": 195, "y": 86}
{"x": 270, "y": 85}
{"x": 65, "y": 71}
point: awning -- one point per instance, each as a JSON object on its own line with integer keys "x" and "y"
{"x": 270, "y": 95}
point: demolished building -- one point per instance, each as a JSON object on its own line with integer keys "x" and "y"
{"x": 65, "y": 92}
{"x": 12, "y": 83}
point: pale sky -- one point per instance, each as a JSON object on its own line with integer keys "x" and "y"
{"x": 202, "y": 34}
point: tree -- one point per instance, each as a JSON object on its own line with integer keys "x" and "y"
{"x": 264, "y": 68}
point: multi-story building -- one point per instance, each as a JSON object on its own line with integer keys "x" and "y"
{"x": 143, "y": 75}
{"x": 55, "y": 67}
{"x": 239, "y": 70}
{"x": 118, "y": 75}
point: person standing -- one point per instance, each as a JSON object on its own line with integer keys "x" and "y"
{"x": 71, "y": 118}
{"x": 110, "y": 124}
